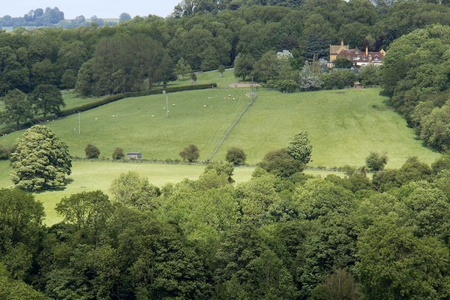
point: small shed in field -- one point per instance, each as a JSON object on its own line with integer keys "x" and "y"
{"x": 134, "y": 155}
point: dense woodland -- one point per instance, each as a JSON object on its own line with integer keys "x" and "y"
{"x": 135, "y": 55}
{"x": 283, "y": 234}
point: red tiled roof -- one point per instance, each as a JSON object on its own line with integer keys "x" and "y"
{"x": 358, "y": 56}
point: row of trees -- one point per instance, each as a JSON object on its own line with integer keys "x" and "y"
{"x": 288, "y": 72}
{"x": 46, "y": 99}
{"x": 415, "y": 76}
{"x": 202, "y": 40}
{"x": 37, "y": 17}
{"x": 281, "y": 235}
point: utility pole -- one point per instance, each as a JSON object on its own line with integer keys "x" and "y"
{"x": 79, "y": 123}
{"x": 167, "y": 103}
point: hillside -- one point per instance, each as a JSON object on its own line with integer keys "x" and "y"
{"x": 344, "y": 126}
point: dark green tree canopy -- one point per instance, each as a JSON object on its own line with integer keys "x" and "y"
{"x": 190, "y": 153}
{"x": 17, "y": 107}
{"x": 236, "y": 156}
{"x": 47, "y": 98}
{"x": 41, "y": 160}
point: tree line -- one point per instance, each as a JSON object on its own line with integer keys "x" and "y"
{"x": 203, "y": 40}
{"x": 281, "y": 235}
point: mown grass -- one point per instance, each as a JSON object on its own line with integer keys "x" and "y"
{"x": 209, "y": 77}
{"x": 344, "y": 126}
{"x": 140, "y": 124}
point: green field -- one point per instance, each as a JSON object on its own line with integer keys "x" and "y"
{"x": 344, "y": 126}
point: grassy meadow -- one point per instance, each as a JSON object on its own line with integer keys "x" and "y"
{"x": 343, "y": 125}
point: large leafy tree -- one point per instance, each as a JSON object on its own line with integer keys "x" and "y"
{"x": 21, "y": 232}
{"x": 133, "y": 190}
{"x": 243, "y": 65}
{"x": 47, "y": 98}
{"x": 17, "y": 107}
{"x": 41, "y": 160}
{"x": 394, "y": 262}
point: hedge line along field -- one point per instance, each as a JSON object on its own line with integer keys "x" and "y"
{"x": 344, "y": 126}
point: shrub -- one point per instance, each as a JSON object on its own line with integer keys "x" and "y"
{"x": 5, "y": 152}
{"x": 376, "y": 161}
{"x": 190, "y": 153}
{"x": 281, "y": 163}
{"x": 118, "y": 153}
{"x": 299, "y": 147}
{"x": 92, "y": 151}
{"x": 236, "y": 156}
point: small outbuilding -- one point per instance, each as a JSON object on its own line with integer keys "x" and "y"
{"x": 134, "y": 155}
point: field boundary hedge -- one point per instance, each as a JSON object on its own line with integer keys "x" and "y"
{"x": 254, "y": 95}
{"x": 113, "y": 98}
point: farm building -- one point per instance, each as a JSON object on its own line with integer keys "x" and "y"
{"x": 134, "y": 155}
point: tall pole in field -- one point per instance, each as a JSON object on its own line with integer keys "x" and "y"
{"x": 79, "y": 123}
{"x": 167, "y": 104}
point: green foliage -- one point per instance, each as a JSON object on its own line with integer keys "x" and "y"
{"x": 395, "y": 262}
{"x": 281, "y": 163}
{"x": 221, "y": 70}
{"x": 88, "y": 212}
{"x": 243, "y": 65}
{"x": 47, "y": 98}
{"x": 182, "y": 68}
{"x": 248, "y": 269}
{"x": 376, "y": 161}
{"x": 118, "y": 153}
{"x": 319, "y": 198}
{"x": 299, "y": 147}
{"x": 369, "y": 75}
{"x": 190, "y": 153}
{"x": 16, "y": 289}
{"x": 342, "y": 62}
{"x": 21, "y": 231}
{"x": 267, "y": 67}
{"x": 17, "y": 107}
{"x": 6, "y": 151}
{"x": 41, "y": 160}
{"x": 339, "y": 79}
{"x": 411, "y": 170}
{"x": 135, "y": 191}
{"x": 236, "y": 156}
{"x": 308, "y": 80}
{"x": 339, "y": 285}
{"x": 92, "y": 151}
